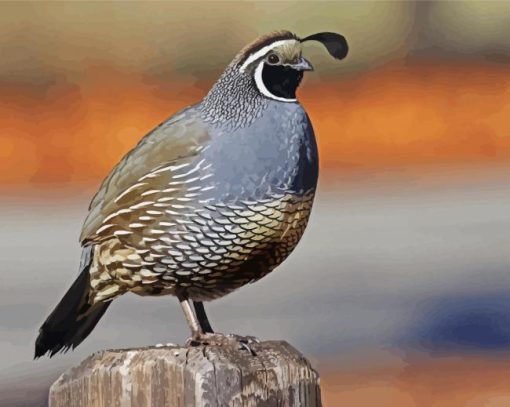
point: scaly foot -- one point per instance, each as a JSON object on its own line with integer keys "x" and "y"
{"x": 208, "y": 339}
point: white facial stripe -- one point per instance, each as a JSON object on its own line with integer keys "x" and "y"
{"x": 263, "y": 51}
{"x": 262, "y": 87}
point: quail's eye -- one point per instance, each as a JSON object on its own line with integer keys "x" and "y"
{"x": 273, "y": 59}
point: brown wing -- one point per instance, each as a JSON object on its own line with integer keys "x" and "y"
{"x": 143, "y": 175}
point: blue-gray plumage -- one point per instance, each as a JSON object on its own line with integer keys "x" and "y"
{"x": 276, "y": 152}
{"x": 215, "y": 197}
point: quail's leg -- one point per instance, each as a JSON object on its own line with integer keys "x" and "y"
{"x": 199, "y": 337}
{"x": 202, "y": 317}
{"x": 191, "y": 318}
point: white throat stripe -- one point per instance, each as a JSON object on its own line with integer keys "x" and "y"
{"x": 261, "y": 52}
{"x": 262, "y": 87}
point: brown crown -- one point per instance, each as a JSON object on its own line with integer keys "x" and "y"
{"x": 261, "y": 42}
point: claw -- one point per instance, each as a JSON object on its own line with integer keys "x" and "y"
{"x": 246, "y": 346}
{"x": 249, "y": 339}
{"x": 191, "y": 342}
{"x": 245, "y": 339}
{"x": 208, "y": 339}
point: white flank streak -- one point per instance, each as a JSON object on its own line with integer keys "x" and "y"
{"x": 178, "y": 167}
{"x": 145, "y": 218}
{"x": 205, "y": 177}
{"x": 184, "y": 182}
{"x": 262, "y": 87}
{"x": 152, "y": 174}
{"x": 157, "y": 231}
{"x": 136, "y": 225}
{"x": 191, "y": 180}
{"x": 103, "y": 228}
{"x": 208, "y": 188}
{"x": 122, "y": 232}
{"x": 176, "y": 206}
{"x": 167, "y": 224}
{"x": 151, "y": 212}
{"x": 196, "y": 167}
{"x": 141, "y": 205}
{"x": 150, "y": 192}
{"x": 162, "y": 169}
{"x": 131, "y": 265}
{"x": 115, "y": 214}
{"x": 127, "y": 191}
{"x": 261, "y": 52}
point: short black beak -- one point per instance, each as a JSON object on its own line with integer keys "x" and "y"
{"x": 302, "y": 65}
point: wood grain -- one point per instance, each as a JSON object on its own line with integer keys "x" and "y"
{"x": 190, "y": 376}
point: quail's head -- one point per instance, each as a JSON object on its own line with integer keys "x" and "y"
{"x": 276, "y": 64}
{"x": 268, "y": 69}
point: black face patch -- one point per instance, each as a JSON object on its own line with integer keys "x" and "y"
{"x": 281, "y": 81}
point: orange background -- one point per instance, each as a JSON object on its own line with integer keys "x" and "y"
{"x": 400, "y": 115}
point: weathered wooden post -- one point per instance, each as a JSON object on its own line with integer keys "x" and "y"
{"x": 174, "y": 376}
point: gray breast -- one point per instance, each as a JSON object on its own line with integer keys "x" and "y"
{"x": 275, "y": 153}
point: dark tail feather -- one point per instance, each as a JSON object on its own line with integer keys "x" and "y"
{"x": 73, "y": 318}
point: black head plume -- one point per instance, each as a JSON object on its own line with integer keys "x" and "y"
{"x": 334, "y": 43}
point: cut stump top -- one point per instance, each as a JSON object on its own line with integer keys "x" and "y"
{"x": 190, "y": 376}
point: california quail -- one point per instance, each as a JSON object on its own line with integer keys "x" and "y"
{"x": 214, "y": 198}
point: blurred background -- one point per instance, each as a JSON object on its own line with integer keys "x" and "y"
{"x": 400, "y": 290}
